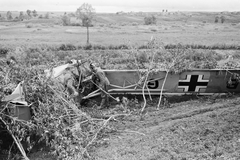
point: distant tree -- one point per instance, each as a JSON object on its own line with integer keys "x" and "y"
{"x": 34, "y": 12}
{"x": 150, "y": 20}
{"x": 21, "y": 16}
{"x": 65, "y": 19}
{"x": 216, "y": 19}
{"x": 29, "y": 13}
{"x": 46, "y": 15}
{"x": 9, "y": 15}
{"x": 222, "y": 19}
{"x": 86, "y": 13}
{"x": 0, "y": 15}
{"x": 40, "y": 16}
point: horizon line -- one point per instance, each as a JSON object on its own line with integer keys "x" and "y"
{"x": 131, "y": 11}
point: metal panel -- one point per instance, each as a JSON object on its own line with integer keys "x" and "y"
{"x": 194, "y": 81}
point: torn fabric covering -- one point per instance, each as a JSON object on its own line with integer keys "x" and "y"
{"x": 18, "y": 106}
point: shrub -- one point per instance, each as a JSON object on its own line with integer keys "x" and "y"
{"x": 3, "y": 52}
{"x": 150, "y": 20}
{"x": 28, "y": 25}
{"x": 67, "y": 47}
{"x": 153, "y": 30}
{"x": 216, "y": 19}
{"x": 112, "y": 47}
{"x": 123, "y": 46}
{"x": 88, "y": 47}
{"x": 99, "y": 47}
{"x": 222, "y": 19}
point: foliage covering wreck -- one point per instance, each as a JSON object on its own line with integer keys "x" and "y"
{"x": 68, "y": 130}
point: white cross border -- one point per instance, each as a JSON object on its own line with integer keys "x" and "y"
{"x": 198, "y": 88}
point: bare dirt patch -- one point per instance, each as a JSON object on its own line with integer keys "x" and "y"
{"x": 189, "y": 130}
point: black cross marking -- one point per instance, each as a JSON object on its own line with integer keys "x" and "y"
{"x": 193, "y": 83}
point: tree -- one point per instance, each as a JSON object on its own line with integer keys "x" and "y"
{"x": 216, "y": 19}
{"x": 65, "y": 19}
{"x": 222, "y": 19}
{"x": 9, "y": 15}
{"x": 21, "y": 16}
{"x": 29, "y": 13}
{"x": 34, "y": 12}
{"x": 86, "y": 13}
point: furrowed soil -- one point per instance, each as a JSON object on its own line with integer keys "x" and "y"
{"x": 205, "y": 128}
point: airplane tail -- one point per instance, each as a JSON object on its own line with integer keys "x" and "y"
{"x": 17, "y": 96}
{"x": 18, "y": 106}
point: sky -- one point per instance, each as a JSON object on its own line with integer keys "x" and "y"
{"x": 113, "y": 6}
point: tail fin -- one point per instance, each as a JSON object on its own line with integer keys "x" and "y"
{"x": 17, "y": 96}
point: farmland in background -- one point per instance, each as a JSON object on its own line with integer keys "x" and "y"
{"x": 115, "y": 29}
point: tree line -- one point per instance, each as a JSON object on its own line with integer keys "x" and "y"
{"x": 23, "y": 15}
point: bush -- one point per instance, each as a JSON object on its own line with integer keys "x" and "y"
{"x": 150, "y": 20}
{"x": 88, "y": 47}
{"x": 153, "y": 30}
{"x": 99, "y": 47}
{"x": 3, "y": 52}
{"x": 123, "y": 46}
{"x": 222, "y": 19}
{"x": 28, "y": 25}
{"x": 67, "y": 47}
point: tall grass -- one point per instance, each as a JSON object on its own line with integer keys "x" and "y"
{"x": 71, "y": 47}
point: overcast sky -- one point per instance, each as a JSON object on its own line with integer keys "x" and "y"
{"x": 121, "y": 5}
